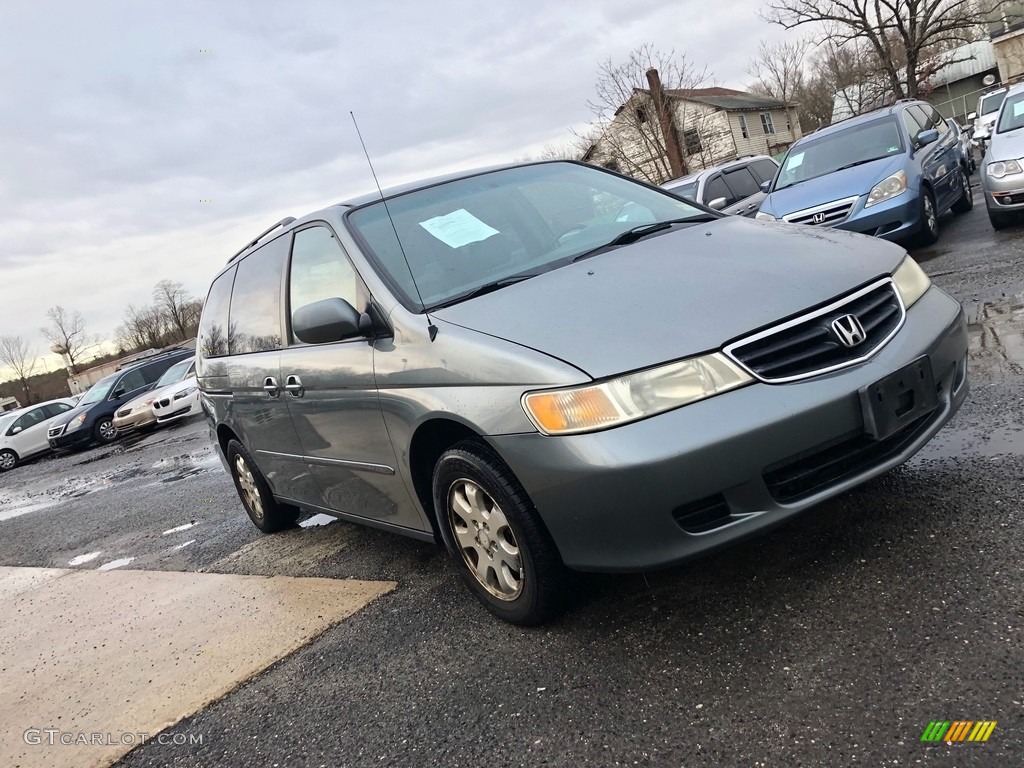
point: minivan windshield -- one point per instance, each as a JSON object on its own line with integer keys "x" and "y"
{"x": 174, "y": 374}
{"x": 846, "y": 148}
{"x": 1012, "y": 116}
{"x": 483, "y": 232}
{"x": 98, "y": 391}
{"x": 991, "y": 102}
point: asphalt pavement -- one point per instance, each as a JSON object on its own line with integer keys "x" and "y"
{"x": 832, "y": 641}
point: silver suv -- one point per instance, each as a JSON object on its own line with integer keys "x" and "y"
{"x": 499, "y": 362}
{"x": 736, "y": 187}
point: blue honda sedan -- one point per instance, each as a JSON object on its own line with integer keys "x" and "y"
{"x": 889, "y": 173}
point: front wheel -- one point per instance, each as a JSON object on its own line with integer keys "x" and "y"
{"x": 500, "y": 547}
{"x": 104, "y": 431}
{"x": 8, "y": 459}
{"x": 266, "y": 513}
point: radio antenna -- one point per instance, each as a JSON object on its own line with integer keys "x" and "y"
{"x": 431, "y": 328}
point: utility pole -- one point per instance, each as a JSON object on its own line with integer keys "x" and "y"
{"x": 668, "y": 127}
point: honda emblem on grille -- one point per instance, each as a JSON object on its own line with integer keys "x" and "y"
{"x": 848, "y": 330}
{"x": 818, "y": 218}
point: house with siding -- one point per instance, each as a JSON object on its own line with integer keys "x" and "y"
{"x": 712, "y": 125}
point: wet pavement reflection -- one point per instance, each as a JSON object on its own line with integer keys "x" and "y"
{"x": 996, "y": 335}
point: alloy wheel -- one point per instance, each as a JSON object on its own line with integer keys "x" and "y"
{"x": 485, "y": 539}
{"x": 250, "y": 493}
{"x": 7, "y": 460}
{"x": 930, "y": 219}
{"x": 106, "y": 429}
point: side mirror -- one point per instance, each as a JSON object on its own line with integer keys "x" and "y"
{"x": 972, "y": 116}
{"x": 766, "y": 185}
{"x": 924, "y": 138}
{"x": 328, "y": 320}
{"x": 15, "y": 430}
{"x": 717, "y": 204}
{"x": 118, "y": 393}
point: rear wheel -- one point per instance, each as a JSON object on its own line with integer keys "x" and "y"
{"x": 500, "y": 547}
{"x": 266, "y": 513}
{"x": 8, "y": 459}
{"x": 966, "y": 201}
{"x": 929, "y": 231}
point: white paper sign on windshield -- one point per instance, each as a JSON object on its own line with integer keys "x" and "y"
{"x": 458, "y": 228}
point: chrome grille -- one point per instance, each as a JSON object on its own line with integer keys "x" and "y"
{"x": 827, "y": 215}
{"x": 56, "y": 431}
{"x": 808, "y": 345}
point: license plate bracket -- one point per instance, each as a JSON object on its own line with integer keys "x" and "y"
{"x": 896, "y": 400}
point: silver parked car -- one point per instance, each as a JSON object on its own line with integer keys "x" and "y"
{"x": 736, "y": 187}
{"x": 496, "y": 361}
{"x": 1002, "y": 176}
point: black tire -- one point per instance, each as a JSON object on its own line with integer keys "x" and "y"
{"x": 8, "y": 460}
{"x": 266, "y": 513}
{"x": 538, "y": 593}
{"x": 929, "y": 232}
{"x": 965, "y": 202}
{"x": 103, "y": 431}
{"x": 999, "y": 221}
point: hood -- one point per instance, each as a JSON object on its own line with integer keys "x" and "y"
{"x": 677, "y": 294}
{"x": 64, "y": 418}
{"x": 851, "y": 182}
{"x": 1006, "y": 146}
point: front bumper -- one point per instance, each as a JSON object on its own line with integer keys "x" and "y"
{"x": 611, "y": 499}
{"x": 1005, "y": 194}
{"x": 895, "y": 219}
{"x": 175, "y": 410}
{"x": 136, "y": 420}
{"x": 76, "y": 439}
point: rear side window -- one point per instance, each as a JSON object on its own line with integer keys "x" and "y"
{"x": 255, "y": 315}
{"x": 320, "y": 270}
{"x": 741, "y": 182}
{"x": 213, "y": 327}
{"x": 717, "y": 188}
{"x": 764, "y": 170}
{"x": 153, "y": 372}
{"x": 56, "y": 409}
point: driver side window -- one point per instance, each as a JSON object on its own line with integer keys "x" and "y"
{"x": 130, "y": 382}
{"x": 27, "y": 420}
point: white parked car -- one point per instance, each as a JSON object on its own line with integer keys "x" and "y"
{"x": 23, "y": 432}
{"x": 178, "y": 400}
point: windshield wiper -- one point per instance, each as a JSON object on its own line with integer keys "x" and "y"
{"x": 859, "y": 162}
{"x": 497, "y": 285}
{"x": 643, "y": 230}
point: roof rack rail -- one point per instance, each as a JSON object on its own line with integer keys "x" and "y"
{"x": 282, "y": 223}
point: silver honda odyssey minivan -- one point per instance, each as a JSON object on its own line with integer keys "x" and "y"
{"x": 550, "y": 366}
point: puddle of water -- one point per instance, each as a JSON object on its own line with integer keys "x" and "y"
{"x": 82, "y": 559}
{"x": 115, "y": 564}
{"x": 967, "y": 442}
{"x": 176, "y": 547}
{"x": 186, "y": 465}
{"x": 996, "y": 337}
{"x": 316, "y": 520}
{"x": 184, "y": 527}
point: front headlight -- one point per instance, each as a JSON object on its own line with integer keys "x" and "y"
{"x": 185, "y": 393}
{"x": 762, "y": 216}
{"x": 628, "y": 398}
{"x": 1005, "y": 168}
{"x": 887, "y": 189}
{"x": 76, "y": 422}
{"x": 911, "y": 281}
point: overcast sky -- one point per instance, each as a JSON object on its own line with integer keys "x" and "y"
{"x": 114, "y": 124}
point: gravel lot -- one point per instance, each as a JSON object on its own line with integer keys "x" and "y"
{"x": 830, "y": 642}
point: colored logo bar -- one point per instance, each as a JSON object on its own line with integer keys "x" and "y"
{"x": 958, "y": 730}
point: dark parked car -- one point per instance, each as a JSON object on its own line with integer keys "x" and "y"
{"x": 92, "y": 419}
{"x": 888, "y": 173}
{"x": 735, "y": 187}
{"x": 496, "y": 361}
{"x": 963, "y": 137}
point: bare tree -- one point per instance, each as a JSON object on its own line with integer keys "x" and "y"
{"x": 66, "y": 332}
{"x": 778, "y": 70}
{"x": 170, "y": 299}
{"x": 144, "y": 327}
{"x": 901, "y": 34}
{"x": 16, "y": 354}
{"x": 627, "y": 114}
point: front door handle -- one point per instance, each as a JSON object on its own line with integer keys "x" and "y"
{"x": 293, "y": 386}
{"x": 270, "y": 385}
